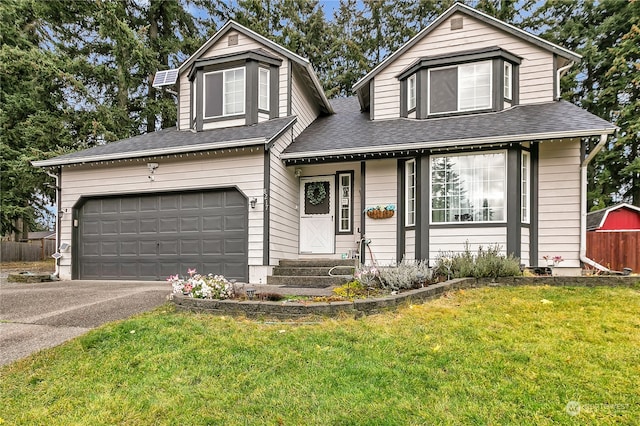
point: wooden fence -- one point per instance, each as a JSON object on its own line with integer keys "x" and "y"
{"x": 26, "y": 252}
{"x": 615, "y": 250}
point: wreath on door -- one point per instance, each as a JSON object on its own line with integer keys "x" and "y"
{"x": 316, "y": 193}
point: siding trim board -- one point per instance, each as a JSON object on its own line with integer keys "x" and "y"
{"x": 266, "y": 213}
{"x": 363, "y": 203}
{"x": 400, "y": 212}
{"x": 423, "y": 219}
{"x": 533, "y": 217}
{"x": 514, "y": 219}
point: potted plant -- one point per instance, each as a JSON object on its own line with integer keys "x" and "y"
{"x": 381, "y": 211}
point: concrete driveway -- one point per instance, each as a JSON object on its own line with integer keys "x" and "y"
{"x": 43, "y": 315}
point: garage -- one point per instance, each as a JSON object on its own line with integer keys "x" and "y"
{"x": 152, "y": 236}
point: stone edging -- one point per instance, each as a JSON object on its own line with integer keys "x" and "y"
{"x": 360, "y": 307}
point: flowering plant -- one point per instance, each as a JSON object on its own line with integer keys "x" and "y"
{"x": 367, "y": 275}
{"x": 555, "y": 259}
{"x": 202, "y": 286}
{"x": 388, "y": 207}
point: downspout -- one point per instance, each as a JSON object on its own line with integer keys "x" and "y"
{"x": 558, "y": 76}
{"x": 583, "y": 205}
{"x": 57, "y": 177}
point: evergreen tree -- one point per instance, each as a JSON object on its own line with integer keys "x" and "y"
{"x": 605, "y": 83}
{"x": 33, "y": 116}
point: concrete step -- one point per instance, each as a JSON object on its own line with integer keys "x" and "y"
{"x": 305, "y": 281}
{"x": 317, "y": 271}
{"x": 311, "y": 263}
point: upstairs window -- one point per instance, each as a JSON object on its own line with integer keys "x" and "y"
{"x": 263, "y": 89}
{"x": 508, "y": 76}
{"x": 411, "y": 93}
{"x": 224, "y": 93}
{"x": 465, "y": 87}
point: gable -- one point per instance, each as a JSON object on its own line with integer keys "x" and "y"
{"x": 489, "y": 20}
{"x": 234, "y": 38}
{"x": 536, "y": 71}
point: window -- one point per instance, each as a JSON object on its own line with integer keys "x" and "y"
{"x": 233, "y": 92}
{"x": 194, "y": 97}
{"x": 508, "y": 74}
{"x": 345, "y": 201}
{"x": 474, "y": 86}
{"x": 263, "y": 89}
{"x": 410, "y": 191}
{"x": 468, "y": 188}
{"x": 465, "y": 87}
{"x": 224, "y": 93}
{"x": 525, "y": 202}
{"x": 411, "y": 92}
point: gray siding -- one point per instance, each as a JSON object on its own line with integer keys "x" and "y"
{"x": 559, "y": 202}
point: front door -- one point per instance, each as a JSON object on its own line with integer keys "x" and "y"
{"x": 317, "y": 228}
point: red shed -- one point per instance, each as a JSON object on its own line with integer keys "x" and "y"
{"x": 613, "y": 237}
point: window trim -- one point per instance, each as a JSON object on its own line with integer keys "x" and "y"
{"x": 507, "y": 84}
{"x": 339, "y": 186}
{"x": 409, "y": 182}
{"x": 525, "y": 187}
{"x": 267, "y": 72}
{"x": 224, "y": 95}
{"x": 470, "y": 223}
{"x": 412, "y": 93}
{"x": 457, "y": 67}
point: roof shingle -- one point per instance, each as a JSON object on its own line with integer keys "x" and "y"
{"x": 171, "y": 140}
{"x": 351, "y": 131}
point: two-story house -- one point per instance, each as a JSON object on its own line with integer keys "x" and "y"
{"x": 461, "y": 130}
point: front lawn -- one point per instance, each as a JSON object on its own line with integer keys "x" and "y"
{"x": 517, "y": 355}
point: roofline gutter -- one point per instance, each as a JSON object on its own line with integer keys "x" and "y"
{"x": 559, "y": 75}
{"x": 452, "y": 143}
{"x": 583, "y": 204}
{"x": 150, "y": 153}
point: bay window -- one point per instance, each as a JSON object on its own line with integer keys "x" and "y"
{"x": 508, "y": 76}
{"x": 224, "y": 93}
{"x": 263, "y": 89}
{"x": 464, "y": 87}
{"x": 411, "y": 93}
{"x": 468, "y": 188}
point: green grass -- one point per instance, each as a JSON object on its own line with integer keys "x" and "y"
{"x": 483, "y": 356}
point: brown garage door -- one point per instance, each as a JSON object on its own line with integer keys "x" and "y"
{"x": 149, "y": 237}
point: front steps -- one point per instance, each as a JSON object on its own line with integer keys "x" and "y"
{"x": 313, "y": 273}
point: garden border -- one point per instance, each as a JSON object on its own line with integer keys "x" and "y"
{"x": 361, "y": 307}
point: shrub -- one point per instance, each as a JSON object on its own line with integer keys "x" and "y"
{"x": 202, "y": 286}
{"x": 368, "y": 276}
{"x": 353, "y": 290}
{"x": 487, "y": 263}
{"x": 407, "y": 275}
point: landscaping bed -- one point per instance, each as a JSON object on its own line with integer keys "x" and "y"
{"x": 305, "y": 308}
